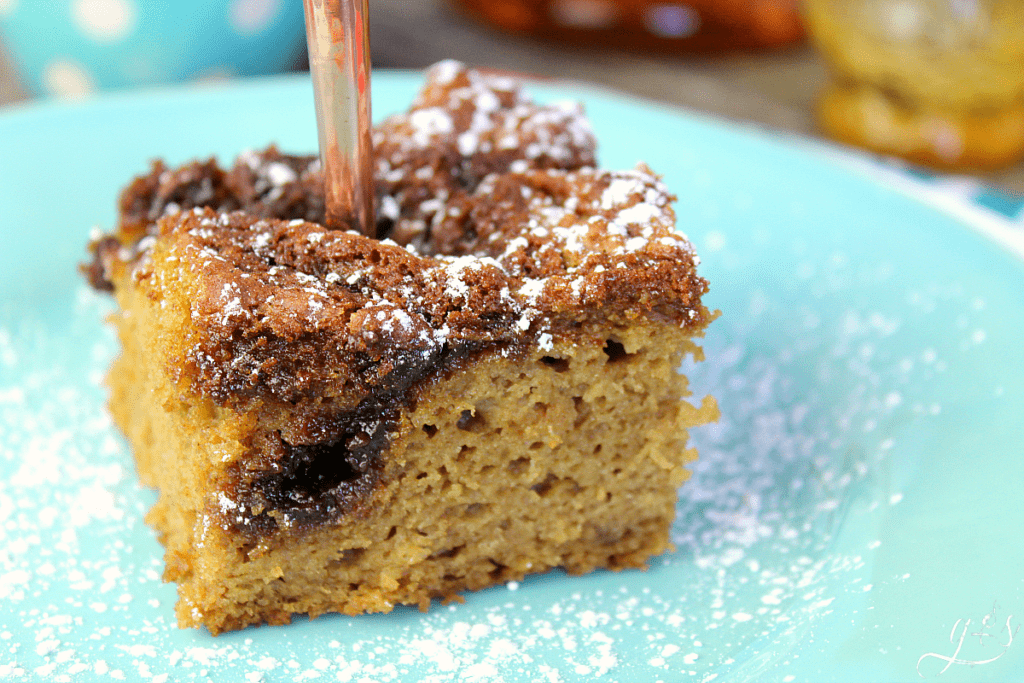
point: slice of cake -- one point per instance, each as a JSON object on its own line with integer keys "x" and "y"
{"x": 342, "y": 424}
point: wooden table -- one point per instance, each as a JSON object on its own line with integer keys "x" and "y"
{"x": 776, "y": 89}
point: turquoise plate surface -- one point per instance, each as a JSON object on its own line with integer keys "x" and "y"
{"x": 856, "y": 515}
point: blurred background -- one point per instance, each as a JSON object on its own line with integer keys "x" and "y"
{"x": 937, "y": 82}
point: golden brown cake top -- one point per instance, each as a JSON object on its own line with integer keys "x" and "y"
{"x": 500, "y": 233}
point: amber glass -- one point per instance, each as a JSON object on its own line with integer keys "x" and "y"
{"x": 939, "y": 82}
{"x": 646, "y": 26}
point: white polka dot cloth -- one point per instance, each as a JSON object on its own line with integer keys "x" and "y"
{"x": 75, "y": 47}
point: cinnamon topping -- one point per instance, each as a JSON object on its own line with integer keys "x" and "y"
{"x": 502, "y": 232}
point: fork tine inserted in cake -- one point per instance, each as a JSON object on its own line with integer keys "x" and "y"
{"x": 337, "y": 33}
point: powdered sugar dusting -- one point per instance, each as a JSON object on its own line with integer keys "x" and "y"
{"x": 428, "y": 123}
{"x": 463, "y": 126}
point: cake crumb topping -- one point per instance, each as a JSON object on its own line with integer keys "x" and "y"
{"x": 497, "y": 231}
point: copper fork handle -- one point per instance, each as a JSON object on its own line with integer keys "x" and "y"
{"x": 337, "y": 32}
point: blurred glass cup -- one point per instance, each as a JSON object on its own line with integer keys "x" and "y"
{"x": 939, "y": 82}
{"x": 74, "y": 47}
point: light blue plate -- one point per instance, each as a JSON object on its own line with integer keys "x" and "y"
{"x": 855, "y": 516}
